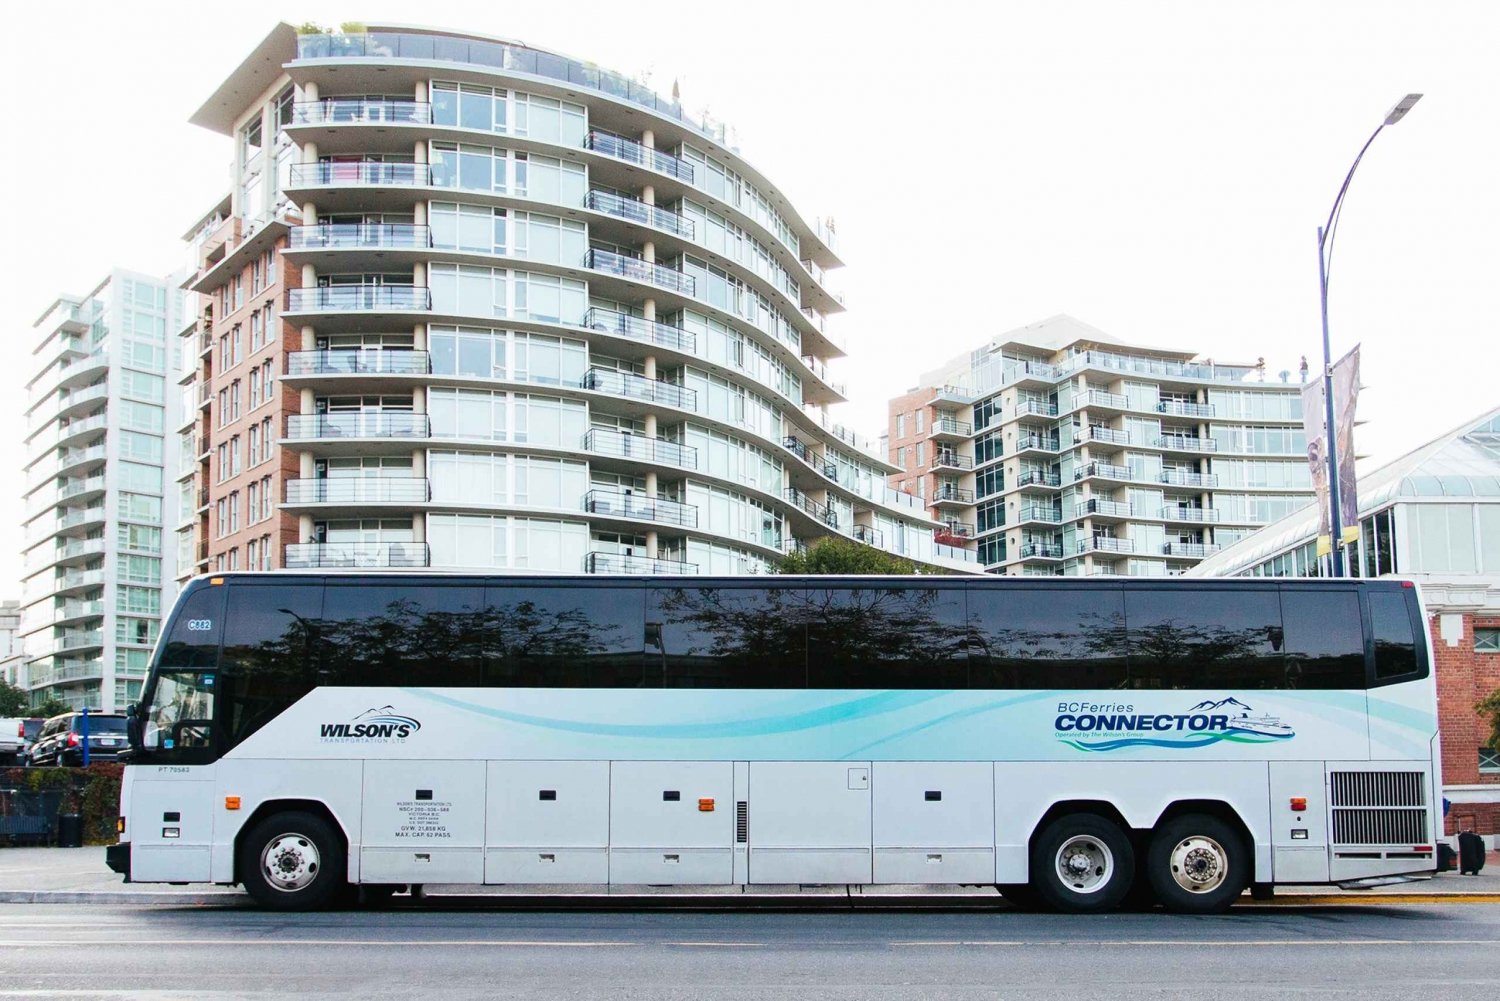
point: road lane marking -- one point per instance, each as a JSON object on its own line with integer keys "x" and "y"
{"x": 909, "y": 943}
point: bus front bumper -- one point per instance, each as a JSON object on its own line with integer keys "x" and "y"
{"x": 117, "y": 857}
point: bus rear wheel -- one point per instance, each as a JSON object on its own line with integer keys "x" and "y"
{"x": 292, "y": 861}
{"x": 1082, "y": 863}
{"x": 1198, "y": 864}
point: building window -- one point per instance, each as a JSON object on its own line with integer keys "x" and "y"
{"x": 921, "y": 449}
{"x": 900, "y": 425}
{"x": 901, "y": 457}
{"x": 921, "y": 413}
{"x": 1489, "y": 759}
{"x": 265, "y": 552}
{"x": 1487, "y": 640}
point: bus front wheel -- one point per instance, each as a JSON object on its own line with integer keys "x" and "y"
{"x": 292, "y": 862}
{"x": 1198, "y": 864}
{"x": 1082, "y": 863}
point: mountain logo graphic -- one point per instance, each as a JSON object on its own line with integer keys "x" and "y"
{"x": 1117, "y": 727}
{"x": 373, "y": 726}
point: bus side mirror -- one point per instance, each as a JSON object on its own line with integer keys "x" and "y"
{"x": 133, "y": 726}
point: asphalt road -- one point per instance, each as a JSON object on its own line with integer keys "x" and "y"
{"x": 75, "y": 952}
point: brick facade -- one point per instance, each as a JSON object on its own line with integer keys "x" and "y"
{"x": 904, "y": 437}
{"x": 1465, "y": 676}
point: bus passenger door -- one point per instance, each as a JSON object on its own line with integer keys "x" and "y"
{"x": 809, "y": 822}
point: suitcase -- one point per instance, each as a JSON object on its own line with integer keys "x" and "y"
{"x": 1470, "y": 853}
{"x": 1447, "y": 859}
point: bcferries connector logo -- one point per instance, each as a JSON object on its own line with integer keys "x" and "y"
{"x": 1091, "y": 726}
{"x": 373, "y": 726}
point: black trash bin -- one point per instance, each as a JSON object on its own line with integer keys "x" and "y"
{"x": 70, "y": 830}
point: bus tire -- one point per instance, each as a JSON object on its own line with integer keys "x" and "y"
{"x": 293, "y": 861}
{"x": 1081, "y": 863}
{"x": 1198, "y": 864}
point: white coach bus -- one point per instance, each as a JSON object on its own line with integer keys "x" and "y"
{"x": 1067, "y": 741}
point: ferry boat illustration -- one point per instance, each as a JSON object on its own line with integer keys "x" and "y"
{"x": 1264, "y": 724}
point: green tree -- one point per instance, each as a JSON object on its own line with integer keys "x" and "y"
{"x": 1490, "y": 706}
{"x": 50, "y": 708}
{"x": 832, "y": 555}
{"x": 12, "y": 699}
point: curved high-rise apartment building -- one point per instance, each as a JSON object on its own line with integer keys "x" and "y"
{"x": 535, "y": 317}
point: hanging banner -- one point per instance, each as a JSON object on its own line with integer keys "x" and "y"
{"x": 1345, "y": 399}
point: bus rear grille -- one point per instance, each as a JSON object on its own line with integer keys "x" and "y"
{"x": 1379, "y": 808}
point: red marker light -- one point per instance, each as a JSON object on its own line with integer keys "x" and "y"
{"x": 1299, "y": 804}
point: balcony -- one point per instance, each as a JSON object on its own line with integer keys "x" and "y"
{"x": 1194, "y": 514}
{"x": 360, "y": 424}
{"x": 1036, "y": 443}
{"x": 818, "y": 512}
{"x": 956, "y": 530}
{"x": 629, "y": 386}
{"x": 359, "y": 490}
{"x": 639, "y": 329}
{"x": 1045, "y": 515}
{"x": 70, "y": 611}
{"x": 68, "y": 402}
{"x": 635, "y": 268}
{"x": 617, "y": 504}
{"x": 375, "y": 173}
{"x": 1104, "y": 544}
{"x": 1038, "y": 478}
{"x": 205, "y": 392}
{"x": 1186, "y": 443}
{"x": 1189, "y": 550}
{"x": 75, "y": 517}
{"x": 947, "y": 494}
{"x": 944, "y": 459}
{"x": 950, "y": 426}
{"x": 817, "y": 368}
{"x": 1098, "y": 398}
{"x": 358, "y": 236}
{"x": 1040, "y": 551}
{"x": 358, "y": 361}
{"x": 621, "y": 563}
{"x": 1098, "y": 507}
{"x": 78, "y": 549}
{"x": 1184, "y": 409}
{"x": 798, "y": 447}
{"x": 358, "y": 298}
{"x": 1178, "y": 477}
{"x": 361, "y": 111}
{"x": 633, "y": 210}
{"x": 631, "y": 151}
{"x": 1095, "y": 432}
{"x": 75, "y": 429}
{"x": 77, "y": 580}
{"x": 625, "y": 445}
{"x": 78, "y": 641}
{"x": 310, "y": 555}
{"x": 1039, "y": 408}
{"x": 77, "y": 488}
{"x": 1102, "y": 471}
{"x": 869, "y": 536}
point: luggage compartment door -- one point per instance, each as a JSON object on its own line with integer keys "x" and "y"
{"x": 547, "y": 822}
{"x": 809, "y": 822}
{"x": 934, "y": 822}
{"x": 423, "y": 822}
{"x": 671, "y": 822}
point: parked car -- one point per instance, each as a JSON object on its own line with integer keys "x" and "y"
{"x": 16, "y": 735}
{"x": 61, "y": 739}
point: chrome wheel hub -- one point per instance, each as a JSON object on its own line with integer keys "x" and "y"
{"x": 1085, "y": 864}
{"x": 290, "y": 862}
{"x": 1199, "y": 864}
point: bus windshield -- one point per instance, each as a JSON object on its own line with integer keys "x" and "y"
{"x": 181, "y": 712}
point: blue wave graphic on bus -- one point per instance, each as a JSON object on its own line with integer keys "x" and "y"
{"x": 1209, "y": 722}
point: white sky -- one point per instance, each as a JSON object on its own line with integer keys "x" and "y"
{"x": 1156, "y": 169}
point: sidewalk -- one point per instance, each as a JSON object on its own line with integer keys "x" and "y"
{"x": 78, "y": 875}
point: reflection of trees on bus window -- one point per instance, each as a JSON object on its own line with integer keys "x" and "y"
{"x": 877, "y": 637}
{"x": 1054, "y": 638}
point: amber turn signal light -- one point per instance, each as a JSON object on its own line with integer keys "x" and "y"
{"x": 231, "y": 802}
{"x": 705, "y": 806}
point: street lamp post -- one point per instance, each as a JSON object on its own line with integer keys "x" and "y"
{"x": 1325, "y": 258}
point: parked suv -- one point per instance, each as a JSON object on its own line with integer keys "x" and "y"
{"x": 61, "y": 739}
{"x": 16, "y": 735}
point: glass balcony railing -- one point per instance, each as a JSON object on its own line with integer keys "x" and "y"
{"x": 376, "y": 173}
{"x": 1186, "y": 443}
{"x": 361, "y": 424}
{"x": 1038, "y": 478}
{"x": 1195, "y": 514}
{"x": 1039, "y": 408}
{"x": 635, "y": 268}
{"x": 635, "y": 210}
{"x": 1102, "y": 399}
{"x": 1100, "y": 543}
{"x": 621, "y": 148}
{"x": 869, "y": 536}
{"x": 359, "y": 490}
{"x": 306, "y": 555}
{"x": 946, "y": 494}
{"x": 1189, "y": 550}
{"x": 361, "y": 111}
{"x": 1099, "y": 506}
{"x": 1185, "y": 409}
{"x": 355, "y": 236}
{"x": 1095, "y": 432}
{"x": 1046, "y": 515}
{"x": 951, "y": 426}
{"x": 358, "y": 361}
{"x": 622, "y": 444}
{"x": 1103, "y": 471}
{"x": 1040, "y": 550}
{"x": 1036, "y": 442}
{"x": 353, "y": 298}
{"x": 639, "y": 329}
{"x": 1181, "y": 478}
{"x": 630, "y": 386}
{"x": 956, "y": 530}
{"x": 623, "y": 563}
{"x": 619, "y": 504}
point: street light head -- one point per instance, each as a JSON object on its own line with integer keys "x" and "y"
{"x": 1402, "y": 107}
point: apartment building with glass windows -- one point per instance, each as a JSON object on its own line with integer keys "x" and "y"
{"x": 1433, "y": 516}
{"x": 527, "y": 315}
{"x": 98, "y": 572}
{"x": 1057, "y": 449}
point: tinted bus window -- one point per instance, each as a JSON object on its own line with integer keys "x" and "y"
{"x": 1046, "y": 638}
{"x": 1325, "y": 638}
{"x": 886, "y": 637}
{"x": 1395, "y": 641}
{"x": 567, "y": 636}
{"x": 270, "y": 633}
{"x": 432, "y": 634}
{"x": 729, "y": 636}
{"x": 1204, "y": 639}
{"x": 194, "y": 638}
